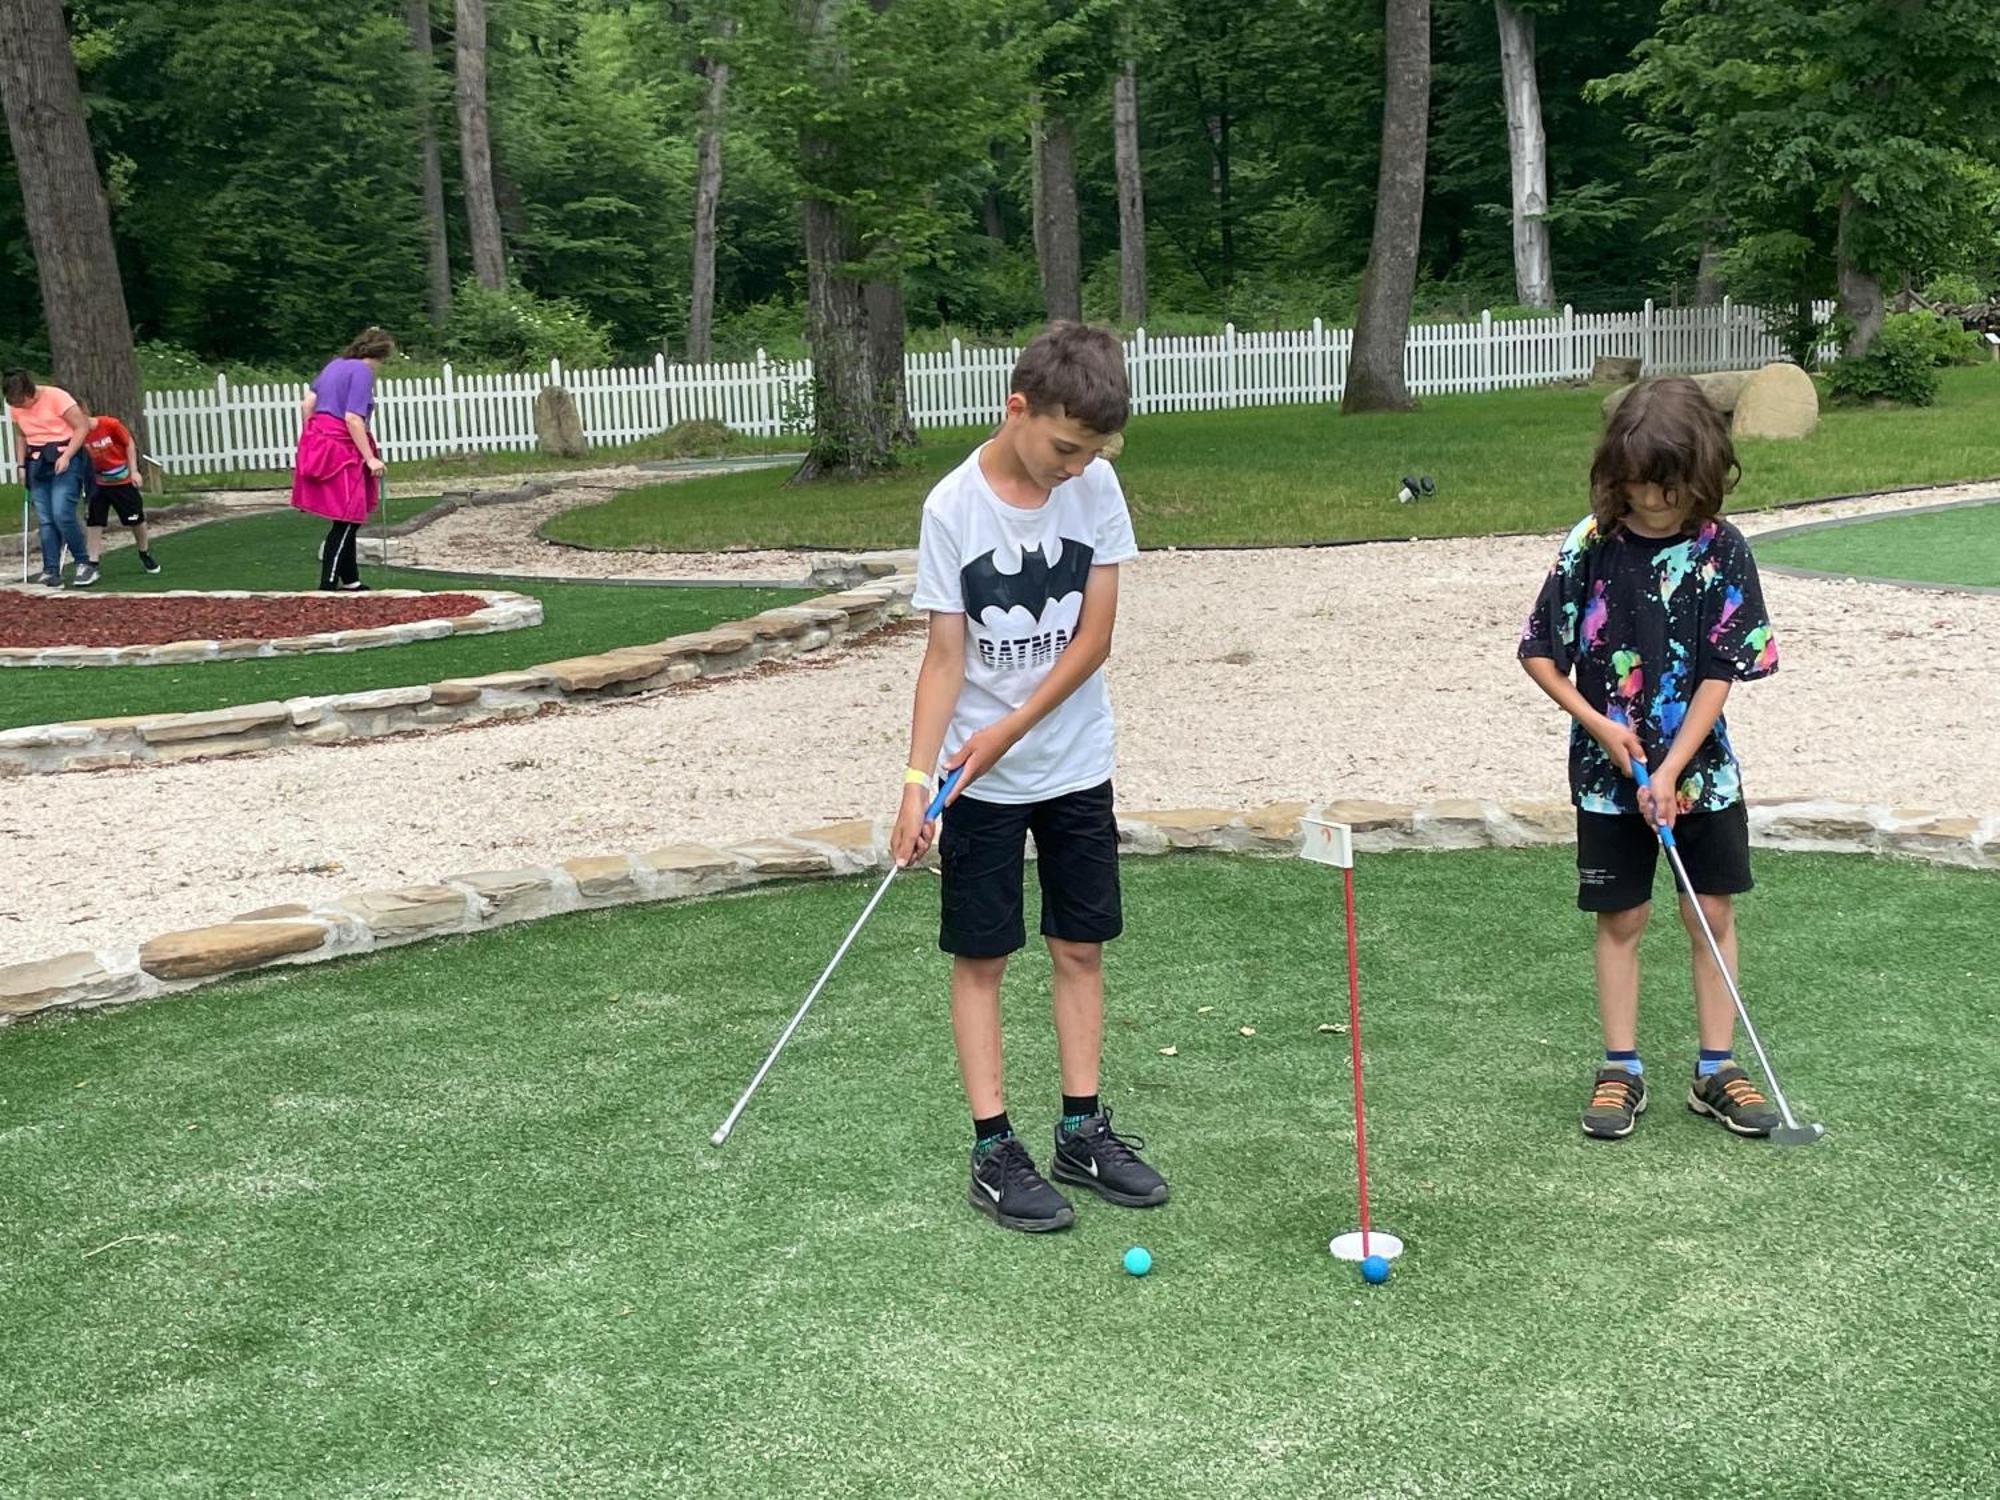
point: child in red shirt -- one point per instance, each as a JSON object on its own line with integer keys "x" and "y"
{"x": 114, "y": 485}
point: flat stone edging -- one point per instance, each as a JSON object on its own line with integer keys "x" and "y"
{"x": 1922, "y": 585}
{"x": 790, "y": 630}
{"x": 476, "y": 901}
{"x": 502, "y": 611}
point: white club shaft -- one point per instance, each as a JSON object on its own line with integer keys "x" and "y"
{"x": 722, "y": 1131}
{"x": 1728, "y": 979}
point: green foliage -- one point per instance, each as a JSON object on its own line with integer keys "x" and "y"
{"x": 1954, "y": 287}
{"x": 516, "y": 329}
{"x": 260, "y": 161}
{"x": 1902, "y": 363}
{"x": 1836, "y": 125}
{"x": 701, "y": 438}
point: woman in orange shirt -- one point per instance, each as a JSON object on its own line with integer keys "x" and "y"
{"x": 53, "y": 428}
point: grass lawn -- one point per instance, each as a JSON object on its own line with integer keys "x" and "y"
{"x": 1945, "y": 546}
{"x": 473, "y": 465}
{"x": 446, "y": 1221}
{"x": 276, "y": 551}
{"x": 1509, "y": 461}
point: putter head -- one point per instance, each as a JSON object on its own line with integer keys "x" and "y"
{"x": 1797, "y": 1135}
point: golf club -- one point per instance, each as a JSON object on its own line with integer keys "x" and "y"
{"x": 1791, "y": 1133}
{"x": 930, "y": 815}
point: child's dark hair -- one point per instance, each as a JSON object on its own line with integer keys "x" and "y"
{"x": 17, "y": 387}
{"x": 1079, "y": 368}
{"x": 1664, "y": 432}
{"x": 370, "y": 343}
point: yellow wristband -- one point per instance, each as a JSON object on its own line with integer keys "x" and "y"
{"x": 913, "y": 777}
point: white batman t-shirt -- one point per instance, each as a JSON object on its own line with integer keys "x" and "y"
{"x": 1017, "y": 576}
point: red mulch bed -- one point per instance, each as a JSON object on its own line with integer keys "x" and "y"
{"x": 152, "y": 620}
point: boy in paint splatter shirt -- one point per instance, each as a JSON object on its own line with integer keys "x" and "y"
{"x": 1653, "y": 606}
{"x": 1642, "y": 621}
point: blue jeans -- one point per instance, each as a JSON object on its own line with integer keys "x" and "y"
{"x": 55, "y": 496}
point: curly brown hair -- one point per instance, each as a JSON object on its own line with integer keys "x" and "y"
{"x": 1664, "y": 432}
{"x": 370, "y": 343}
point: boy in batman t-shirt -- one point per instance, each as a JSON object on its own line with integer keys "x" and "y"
{"x": 1018, "y": 568}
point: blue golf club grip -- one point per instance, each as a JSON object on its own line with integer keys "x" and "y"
{"x": 1639, "y": 774}
{"x": 943, "y": 791}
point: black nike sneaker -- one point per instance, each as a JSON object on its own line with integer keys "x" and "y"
{"x": 1095, "y": 1156}
{"x": 1009, "y": 1191}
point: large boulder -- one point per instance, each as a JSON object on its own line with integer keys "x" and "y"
{"x": 1615, "y": 369}
{"x": 1779, "y": 401}
{"x": 558, "y": 424}
{"x": 1786, "y": 403}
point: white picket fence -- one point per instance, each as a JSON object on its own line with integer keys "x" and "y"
{"x": 230, "y": 427}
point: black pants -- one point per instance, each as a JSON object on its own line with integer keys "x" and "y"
{"x": 982, "y": 855}
{"x": 337, "y": 564}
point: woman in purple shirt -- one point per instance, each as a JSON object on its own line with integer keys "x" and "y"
{"x": 338, "y": 473}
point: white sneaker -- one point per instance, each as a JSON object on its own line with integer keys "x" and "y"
{"x": 84, "y": 577}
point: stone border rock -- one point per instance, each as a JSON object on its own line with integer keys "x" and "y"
{"x": 1923, "y": 585}
{"x": 478, "y": 900}
{"x": 503, "y": 611}
{"x": 827, "y": 622}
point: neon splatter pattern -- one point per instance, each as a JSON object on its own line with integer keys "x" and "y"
{"x": 1640, "y": 623}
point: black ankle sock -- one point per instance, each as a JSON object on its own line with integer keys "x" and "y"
{"x": 992, "y": 1128}
{"x": 1077, "y": 1108}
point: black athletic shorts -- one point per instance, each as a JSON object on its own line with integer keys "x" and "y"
{"x": 123, "y": 498}
{"x": 1616, "y": 854}
{"x": 982, "y": 852}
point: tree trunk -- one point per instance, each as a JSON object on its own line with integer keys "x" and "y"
{"x": 1382, "y": 325}
{"x": 1218, "y": 181}
{"x": 482, "y": 209}
{"x": 437, "y": 257}
{"x": 69, "y": 223}
{"x": 851, "y": 434}
{"x": 1131, "y": 198}
{"x": 1527, "y": 156}
{"x": 707, "y": 193}
{"x": 885, "y": 353}
{"x": 1056, "y": 234}
{"x": 1708, "y": 274}
{"x": 851, "y": 421}
{"x": 1860, "y": 292}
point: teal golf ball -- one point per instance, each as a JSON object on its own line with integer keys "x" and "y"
{"x": 1374, "y": 1270}
{"x": 1138, "y": 1260}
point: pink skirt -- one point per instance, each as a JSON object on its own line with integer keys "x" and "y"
{"x": 328, "y": 478}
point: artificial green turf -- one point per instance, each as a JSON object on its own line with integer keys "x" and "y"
{"x": 276, "y": 551}
{"x": 1943, "y": 546}
{"x": 446, "y": 1221}
{"x": 1508, "y": 461}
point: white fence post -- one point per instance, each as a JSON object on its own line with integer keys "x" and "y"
{"x": 1486, "y": 376}
{"x": 1646, "y": 339}
{"x": 1140, "y": 376}
{"x": 1229, "y": 381}
{"x": 453, "y": 432}
{"x": 1572, "y": 356}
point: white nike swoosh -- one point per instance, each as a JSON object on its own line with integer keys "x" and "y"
{"x": 991, "y": 1192}
{"x": 1093, "y": 1166}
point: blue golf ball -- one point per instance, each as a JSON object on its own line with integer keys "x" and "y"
{"x": 1138, "y": 1261}
{"x": 1374, "y": 1270}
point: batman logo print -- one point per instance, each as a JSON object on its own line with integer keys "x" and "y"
{"x": 1033, "y": 588}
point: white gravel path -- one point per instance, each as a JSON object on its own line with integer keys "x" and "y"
{"x": 1384, "y": 670}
